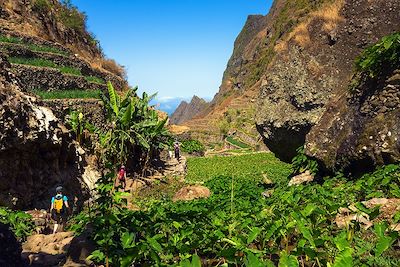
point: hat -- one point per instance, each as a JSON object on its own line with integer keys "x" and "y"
{"x": 59, "y": 189}
{"x": 122, "y": 167}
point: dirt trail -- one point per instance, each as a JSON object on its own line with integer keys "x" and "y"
{"x": 171, "y": 167}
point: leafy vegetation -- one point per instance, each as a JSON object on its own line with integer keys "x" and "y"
{"x": 251, "y": 166}
{"x": 66, "y": 94}
{"x": 235, "y": 225}
{"x": 33, "y": 47}
{"x": 19, "y": 221}
{"x": 94, "y": 79}
{"x": 136, "y": 127}
{"x": 382, "y": 56}
{"x": 236, "y": 142}
{"x": 71, "y": 17}
{"x": 301, "y": 163}
{"x": 40, "y": 62}
{"x": 41, "y": 6}
{"x": 192, "y": 146}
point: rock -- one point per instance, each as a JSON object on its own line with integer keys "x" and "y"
{"x": 387, "y": 209}
{"x": 80, "y": 248}
{"x": 191, "y": 192}
{"x": 36, "y": 152}
{"x": 359, "y": 130}
{"x": 267, "y": 193}
{"x": 266, "y": 180}
{"x": 40, "y": 218}
{"x": 305, "y": 177}
{"x": 10, "y": 249}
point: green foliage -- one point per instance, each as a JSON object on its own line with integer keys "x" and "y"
{"x": 301, "y": 162}
{"x": 380, "y": 57}
{"x": 78, "y": 123}
{"x": 136, "y": 126}
{"x": 38, "y": 62}
{"x": 236, "y": 142}
{"x": 236, "y": 224}
{"x": 33, "y": 47}
{"x": 70, "y": 70}
{"x": 94, "y": 79}
{"x": 71, "y": 17}
{"x": 252, "y": 166}
{"x": 192, "y": 146}
{"x": 41, "y": 6}
{"x": 68, "y": 94}
{"x": 19, "y": 221}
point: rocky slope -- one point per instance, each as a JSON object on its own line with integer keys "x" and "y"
{"x": 186, "y": 111}
{"x": 291, "y": 63}
{"x": 36, "y": 151}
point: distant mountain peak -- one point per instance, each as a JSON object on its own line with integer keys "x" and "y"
{"x": 186, "y": 111}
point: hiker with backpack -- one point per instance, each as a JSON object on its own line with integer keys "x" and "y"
{"x": 122, "y": 176}
{"x": 177, "y": 150}
{"x": 59, "y": 208}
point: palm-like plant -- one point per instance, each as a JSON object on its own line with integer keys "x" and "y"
{"x": 136, "y": 127}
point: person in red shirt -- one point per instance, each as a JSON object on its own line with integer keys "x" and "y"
{"x": 122, "y": 176}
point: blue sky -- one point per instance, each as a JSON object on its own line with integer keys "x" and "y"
{"x": 177, "y": 48}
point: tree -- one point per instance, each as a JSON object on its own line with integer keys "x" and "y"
{"x": 136, "y": 128}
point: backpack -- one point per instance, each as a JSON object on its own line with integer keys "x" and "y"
{"x": 59, "y": 203}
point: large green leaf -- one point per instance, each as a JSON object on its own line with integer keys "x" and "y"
{"x": 113, "y": 98}
{"x": 253, "y": 234}
{"x": 286, "y": 260}
{"x": 344, "y": 258}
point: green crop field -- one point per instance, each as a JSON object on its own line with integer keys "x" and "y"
{"x": 33, "y": 47}
{"x": 250, "y": 166}
{"x": 65, "y": 94}
{"x": 236, "y": 142}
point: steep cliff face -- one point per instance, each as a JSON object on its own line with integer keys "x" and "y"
{"x": 313, "y": 64}
{"x": 36, "y": 151}
{"x": 361, "y": 128}
{"x": 186, "y": 111}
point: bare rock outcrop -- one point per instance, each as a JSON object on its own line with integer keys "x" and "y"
{"x": 36, "y": 151}
{"x": 361, "y": 129}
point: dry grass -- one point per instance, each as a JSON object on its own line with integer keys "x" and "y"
{"x": 329, "y": 15}
{"x": 113, "y": 67}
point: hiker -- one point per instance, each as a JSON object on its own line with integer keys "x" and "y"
{"x": 177, "y": 150}
{"x": 122, "y": 176}
{"x": 169, "y": 157}
{"x": 59, "y": 208}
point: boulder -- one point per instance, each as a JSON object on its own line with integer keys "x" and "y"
{"x": 10, "y": 249}
{"x": 361, "y": 128}
{"x": 191, "y": 192}
{"x": 302, "y": 178}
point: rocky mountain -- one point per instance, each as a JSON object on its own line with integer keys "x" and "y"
{"x": 45, "y": 49}
{"x": 186, "y": 111}
{"x": 292, "y": 63}
{"x": 36, "y": 151}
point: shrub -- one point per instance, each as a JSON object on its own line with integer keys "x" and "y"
{"x": 41, "y": 6}
{"x": 114, "y": 67}
{"x": 192, "y": 146}
{"x": 301, "y": 163}
{"x": 71, "y": 17}
{"x": 19, "y": 221}
{"x": 381, "y": 56}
